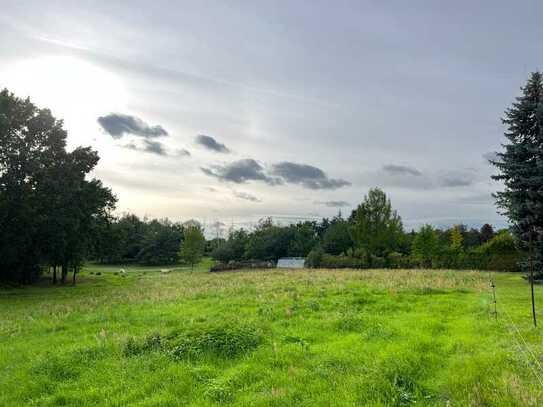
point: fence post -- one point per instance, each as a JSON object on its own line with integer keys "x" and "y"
{"x": 532, "y": 278}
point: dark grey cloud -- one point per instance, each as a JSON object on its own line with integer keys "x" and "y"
{"x": 306, "y": 175}
{"x": 149, "y": 146}
{"x": 284, "y": 172}
{"x": 211, "y": 144}
{"x": 333, "y": 204}
{"x": 117, "y": 125}
{"x": 246, "y": 196}
{"x": 154, "y": 147}
{"x": 240, "y": 172}
{"x": 401, "y": 170}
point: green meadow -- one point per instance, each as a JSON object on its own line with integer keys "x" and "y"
{"x": 271, "y": 338}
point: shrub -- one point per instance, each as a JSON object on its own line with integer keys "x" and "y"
{"x": 314, "y": 258}
{"x": 399, "y": 261}
{"x": 240, "y": 265}
{"x": 378, "y": 262}
{"x": 329, "y": 261}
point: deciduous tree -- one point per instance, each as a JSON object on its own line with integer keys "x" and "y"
{"x": 376, "y": 227}
{"x": 193, "y": 245}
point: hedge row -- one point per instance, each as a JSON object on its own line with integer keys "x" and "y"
{"x": 460, "y": 261}
{"x": 240, "y": 265}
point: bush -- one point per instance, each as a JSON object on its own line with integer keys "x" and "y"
{"x": 314, "y": 258}
{"x": 233, "y": 248}
{"x": 378, "y": 262}
{"x": 399, "y": 261}
{"x": 240, "y": 265}
{"x": 339, "y": 262}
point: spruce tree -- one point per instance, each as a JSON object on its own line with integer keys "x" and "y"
{"x": 520, "y": 167}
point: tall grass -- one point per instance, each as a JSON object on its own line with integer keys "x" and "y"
{"x": 270, "y": 338}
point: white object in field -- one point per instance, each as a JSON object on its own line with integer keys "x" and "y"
{"x": 165, "y": 270}
{"x": 122, "y": 271}
{"x": 291, "y": 263}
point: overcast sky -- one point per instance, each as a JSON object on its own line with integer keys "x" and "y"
{"x": 232, "y": 110}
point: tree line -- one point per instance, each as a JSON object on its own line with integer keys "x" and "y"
{"x": 53, "y": 215}
{"x": 371, "y": 236}
{"x": 129, "y": 239}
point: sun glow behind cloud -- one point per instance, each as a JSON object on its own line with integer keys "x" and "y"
{"x": 75, "y": 91}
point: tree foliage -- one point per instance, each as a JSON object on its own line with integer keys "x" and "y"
{"x": 520, "y": 165}
{"x": 457, "y": 239}
{"x": 337, "y": 238}
{"x": 48, "y": 207}
{"x": 425, "y": 246}
{"x": 193, "y": 245}
{"x": 376, "y": 227}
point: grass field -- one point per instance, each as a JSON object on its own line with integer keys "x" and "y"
{"x": 270, "y": 338}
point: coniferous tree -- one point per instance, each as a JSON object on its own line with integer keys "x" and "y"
{"x": 520, "y": 166}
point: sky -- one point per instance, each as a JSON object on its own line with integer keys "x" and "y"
{"x": 230, "y": 111}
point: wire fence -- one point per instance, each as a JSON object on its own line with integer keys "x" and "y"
{"x": 528, "y": 355}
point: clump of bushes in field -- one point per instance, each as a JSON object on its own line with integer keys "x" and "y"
{"x": 223, "y": 342}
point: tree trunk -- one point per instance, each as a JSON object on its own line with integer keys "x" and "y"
{"x": 73, "y": 277}
{"x": 54, "y": 274}
{"x": 64, "y": 273}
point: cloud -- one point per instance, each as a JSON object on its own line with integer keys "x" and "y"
{"x": 401, "y": 170}
{"x": 154, "y": 147}
{"x": 149, "y": 146}
{"x": 456, "y": 179}
{"x": 183, "y": 152}
{"x": 248, "y": 169}
{"x": 333, "y": 204}
{"x": 240, "y": 172}
{"x": 246, "y": 196}
{"x": 483, "y": 198}
{"x": 410, "y": 178}
{"x": 117, "y": 125}
{"x": 306, "y": 175}
{"x": 211, "y": 144}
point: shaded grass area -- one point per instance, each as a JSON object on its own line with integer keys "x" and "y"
{"x": 269, "y": 338}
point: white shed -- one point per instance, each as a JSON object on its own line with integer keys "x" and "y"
{"x": 291, "y": 262}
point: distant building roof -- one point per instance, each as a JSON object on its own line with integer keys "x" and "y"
{"x": 291, "y": 262}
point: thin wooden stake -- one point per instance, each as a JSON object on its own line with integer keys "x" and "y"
{"x": 494, "y": 296}
{"x": 493, "y": 286}
{"x": 532, "y": 279}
